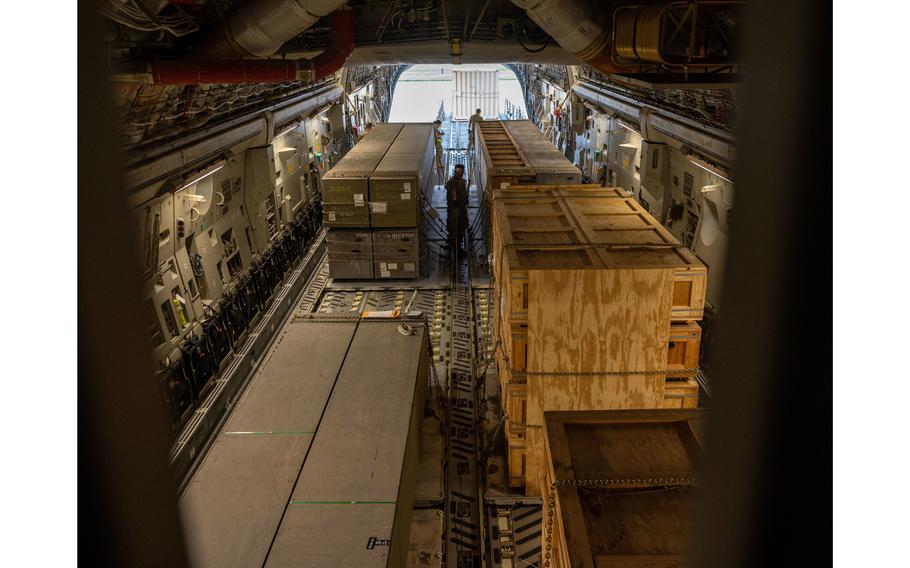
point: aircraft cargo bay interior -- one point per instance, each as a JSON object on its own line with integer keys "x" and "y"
{"x": 437, "y": 283}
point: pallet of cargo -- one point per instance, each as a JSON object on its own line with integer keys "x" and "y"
{"x": 396, "y": 253}
{"x": 402, "y": 178}
{"x": 350, "y": 253}
{"x": 345, "y": 188}
{"x": 346, "y": 480}
{"x": 597, "y": 308}
{"x": 498, "y": 159}
{"x": 548, "y": 163}
{"x": 619, "y": 487}
{"x": 291, "y": 465}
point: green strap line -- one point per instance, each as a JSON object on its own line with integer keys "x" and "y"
{"x": 343, "y": 502}
{"x": 268, "y": 432}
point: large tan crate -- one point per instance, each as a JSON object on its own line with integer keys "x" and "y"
{"x": 616, "y": 224}
{"x": 345, "y": 191}
{"x": 605, "y": 484}
{"x": 588, "y": 288}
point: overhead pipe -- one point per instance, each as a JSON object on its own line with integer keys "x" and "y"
{"x": 579, "y": 27}
{"x": 259, "y": 28}
{"x": 223, "y": 71}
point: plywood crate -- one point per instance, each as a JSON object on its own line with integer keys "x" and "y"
{"x": 530, "y": 234}
{"x": 615, "y": 224}
{"x": 517, "y": 457}
{"x": 516, "y": 404}
{"x": 530, "y": 191}
{"x": 588, "y": 295}
{"x": 679, "y": 390}
{"x": 588, "y": 348}
{"x": 680, "y": 393}
{"x": 683, "y": 349}
{"x": 603, "y": 473}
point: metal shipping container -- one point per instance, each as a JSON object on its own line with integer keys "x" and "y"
{"x": 477, "y": 89}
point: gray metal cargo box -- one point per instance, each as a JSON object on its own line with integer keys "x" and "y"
{"x": 353, "y": 501}
{"x": 350, "y": 253}
{"x": 395, "y": 187}
{"x": 378, "y": 139}
{"x": 233, "y": 506}
{"x": 345, "y": 191}
{"x": 316, "y": 466}
{"x": 396, "y": 254}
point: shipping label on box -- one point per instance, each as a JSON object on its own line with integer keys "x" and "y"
{"x": 358, "y": 200}
{"x": 409, "y": 266}
{"x": 385, "y": 274}
{"x": 379, "y": 206}
{"x": 393, "y": 266}
{"x": 331, "y": 215}
{"x": 407, "y": 186}
{"x": 405, "y": 196}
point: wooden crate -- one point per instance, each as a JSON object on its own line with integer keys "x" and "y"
{"x": 680, "y": 393}
{"x": 517, "y": 457}
{"x": 587, "y": 285}
{"x": 580, "y": 322}
{"x": 499, "y": 161}
{"x": 683, "y": 349}
{"x": 629, "y": 522}
{"x": 515, "y": 396}
{"x": 613, "y": 223}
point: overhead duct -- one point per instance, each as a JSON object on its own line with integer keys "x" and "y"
{"x": 579, "y": 27}
{"x": 223, "y": 71}
{"x": 260, "y": 27}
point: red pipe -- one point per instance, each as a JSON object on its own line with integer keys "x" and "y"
{"x": 340, "y": 45}
{"x": 221, "y": 71}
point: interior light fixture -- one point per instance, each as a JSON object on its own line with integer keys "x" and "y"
{"x": 627, "y": 127}
{"x": 202, "y": 177}
{"x": 708, "y": 169}
{"x": 286, "y": 131}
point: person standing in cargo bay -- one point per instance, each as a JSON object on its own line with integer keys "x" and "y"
{"x": 472, "y": 124}
{"x": 457, "y": 208}
{"x": 437, "y": 137}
